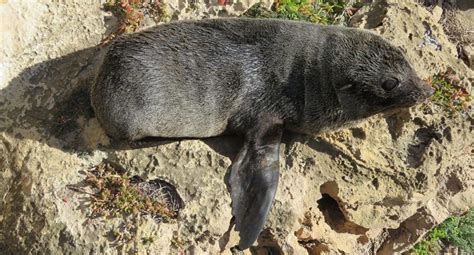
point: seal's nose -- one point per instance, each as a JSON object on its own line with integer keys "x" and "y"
{"x": 425, "y": 92}
{"x": 429, "y": 91}
{"x": 426, "y": 88}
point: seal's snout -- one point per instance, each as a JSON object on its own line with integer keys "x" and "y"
{"x": 428, "y": 90}
{"x": 421, "y": 92}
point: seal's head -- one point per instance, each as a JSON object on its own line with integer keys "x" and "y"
{"x": 378, "y": 77}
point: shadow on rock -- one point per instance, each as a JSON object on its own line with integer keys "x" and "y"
{"x": 48, "y": 101}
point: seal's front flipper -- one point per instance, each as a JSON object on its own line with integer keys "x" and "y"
{"x": 254, "y": 180}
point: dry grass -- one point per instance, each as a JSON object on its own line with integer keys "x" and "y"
{"x": 116, "y": 194}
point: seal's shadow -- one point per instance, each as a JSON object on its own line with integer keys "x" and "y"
{"x": 48, "y": 101}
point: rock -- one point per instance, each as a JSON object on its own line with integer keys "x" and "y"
{"x": 437, "y": 13}
{"x": 468, "y": 51}
{"x": 179, "y": 9}
{"x": 376, "y": 187}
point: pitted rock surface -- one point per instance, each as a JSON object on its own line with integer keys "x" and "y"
{"x": 376, "y": 187}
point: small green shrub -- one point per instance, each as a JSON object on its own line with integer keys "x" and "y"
{"x": 316, "y": 11}
{"x": 319, "y": 11}
{"x": 115, "y": 194}
{"x": 456, "y": 230}
{"x": 259, "y": 11}
{"x": 460, "y": 231}
{"x": 422, "y": 248}
{"x": 127, "y": 12}
{"x": 130, "y": 14}
{"x": 448, "y": 92}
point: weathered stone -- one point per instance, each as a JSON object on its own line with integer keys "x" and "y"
{"x": 375, "y": 187}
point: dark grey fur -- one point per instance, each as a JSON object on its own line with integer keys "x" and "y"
{"x": 250, "y": 77}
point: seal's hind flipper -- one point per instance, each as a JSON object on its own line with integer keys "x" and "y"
{"x": 254, "y": 180}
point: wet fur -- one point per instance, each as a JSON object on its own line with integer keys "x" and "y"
{"x": 250, "y": 77}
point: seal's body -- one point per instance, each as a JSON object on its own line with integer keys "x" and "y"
{"x": 251, "y": 77}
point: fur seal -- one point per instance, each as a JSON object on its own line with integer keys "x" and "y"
{"x": 254, "y": 78}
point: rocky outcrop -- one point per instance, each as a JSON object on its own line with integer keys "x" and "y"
{"x": 376, "y": 187}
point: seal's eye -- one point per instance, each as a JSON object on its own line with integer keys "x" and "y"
{"x": 390, "y": 84}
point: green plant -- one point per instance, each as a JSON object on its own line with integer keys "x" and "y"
{"x": 148, "y": 240}
{"x": 421, "y": 248}
{"x": 115, "y": 194}
{"x": 259, "y": 11}
{"x": 456, "y": 230}
{"x": 460, "y": 231}
{"x": 130, "y": 14}
{"x": 316, "y": 11}
{"x": 448, "y": 92}
{"x": 127, "y": 12}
